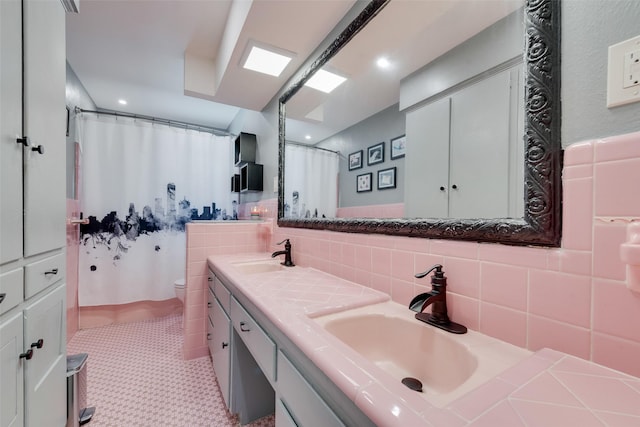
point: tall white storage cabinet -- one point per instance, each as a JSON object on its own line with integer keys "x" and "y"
{"x": 32, "y": 214}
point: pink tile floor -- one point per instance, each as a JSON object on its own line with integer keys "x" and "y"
{"x": 137, "y": 377}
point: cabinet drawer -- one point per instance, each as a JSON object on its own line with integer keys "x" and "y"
{"x": 256, "y": 340}
{"x": 42, "y": 274}
{"x": 283, "y": 417}
{"x": 210, "y": 279}
{"x": 211, "y": 300}
{"x": 305, "y": 405}
{"x": 11, "y": 289}
{"x": 210, "y": 336}
{"x": 222, "y": 293}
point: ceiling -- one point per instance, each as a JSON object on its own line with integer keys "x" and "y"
{"x": 410, "y": 34}
{"x": 181, "y": 59}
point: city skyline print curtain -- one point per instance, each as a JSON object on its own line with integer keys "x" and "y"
{"x": 141, "y": 183}
{"x": 312, "y": 182}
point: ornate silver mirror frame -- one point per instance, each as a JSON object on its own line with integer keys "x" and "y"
{"x": 542, "y": 220}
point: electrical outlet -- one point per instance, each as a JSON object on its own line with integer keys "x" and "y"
{"x": 631, "y": 70}
{"x": 623, "y": 80}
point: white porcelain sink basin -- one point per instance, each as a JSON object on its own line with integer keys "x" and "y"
{"x": 447, "y": 365}
{"x": 259, "y": 266}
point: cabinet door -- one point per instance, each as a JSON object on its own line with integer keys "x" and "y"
{"x": 427, "y": 161}
{"x": 45, "y": 125}
{"x": 479, "y": 164}
{"x": 11, "y": 371}
{"x": 10, "y": 130}
{"x": 220, "y": 349}
{"x": 46, "y": 372}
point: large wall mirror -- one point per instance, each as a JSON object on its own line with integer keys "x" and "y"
{"x": 443, "y": 122}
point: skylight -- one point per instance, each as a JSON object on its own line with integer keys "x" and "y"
{"x": 325, "y": 81}
{"x": 266, "y": 61}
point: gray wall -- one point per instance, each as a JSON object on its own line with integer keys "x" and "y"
{"x": 589, "y": 27}
{"x": 76, "y": 96}
{"x": 381, "y": 127}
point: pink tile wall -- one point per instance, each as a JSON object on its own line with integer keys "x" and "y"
{"x": 391, "y": 210}
{"x": 205, "y": 239}
{"x": 73, "y": 248}
{"x": 572, "y": 298}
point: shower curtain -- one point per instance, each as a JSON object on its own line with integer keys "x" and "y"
{"x": 311, "y": 182}
{"x": 141, "y": 182}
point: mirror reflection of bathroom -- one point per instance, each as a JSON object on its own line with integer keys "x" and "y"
{"x": 458, "y": 130}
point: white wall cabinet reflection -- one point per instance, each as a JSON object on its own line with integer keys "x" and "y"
{"x": 464, "y": 152}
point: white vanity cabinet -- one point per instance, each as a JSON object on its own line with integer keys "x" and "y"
{"x": 239, "y": 360}
{"x": 268, "y": 371}
{"x": 301, "y": 403}
{"x": 33, "y": 210}
{"x": 255, "y": 338}
{"x": 219, "y": 336}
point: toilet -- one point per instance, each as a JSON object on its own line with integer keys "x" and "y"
{"x": 179, "y": 287}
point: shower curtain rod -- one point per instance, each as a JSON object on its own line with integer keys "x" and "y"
{"x": 172, "y": 123}
{"x": 311, "y": 146}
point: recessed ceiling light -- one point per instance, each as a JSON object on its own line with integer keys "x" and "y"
{"x": 383, "y": 62}
{"x": 325, "y": 81}
{"x": 307, "y": 137}
{"x": 122, "y": 101}
{"x": 267, "y": 60}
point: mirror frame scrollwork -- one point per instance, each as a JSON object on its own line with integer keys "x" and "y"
{"x": 541, "y": 225}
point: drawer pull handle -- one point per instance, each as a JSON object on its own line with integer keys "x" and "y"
{"x": 27, "y": 355}
{"x": 38, "y": 148}
{"x": 52, "y": 271}
{"x": 38, "y": 344}
{"x": 208, "y": 337}
{"x": 242, "y": 327}
{"x": 209, "y": 304}
{"x": 225, "y": 344}
{"x": 2, "y": 295}
{"x": 24, "y": 141}
{"x": 210, "y": 279}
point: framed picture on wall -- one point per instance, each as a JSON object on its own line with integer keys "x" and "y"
{"x": 387, "y": 178}
{"x": 375, "y": 154}
{"x": 355, "y": 160}
{"x": 363, "y": 182}
{"x": 398, "y": 146}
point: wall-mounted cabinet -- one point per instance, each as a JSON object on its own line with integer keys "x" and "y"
{"x": 465, "y": 152}
{"x": 245, "y": 148}
{"x": 235, "y": 183}
{"x": 250, "y": 177}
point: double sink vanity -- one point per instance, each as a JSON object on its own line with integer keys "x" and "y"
{"x": 325, "y": 351}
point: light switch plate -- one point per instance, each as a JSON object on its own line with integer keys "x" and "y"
{"x": 623, "y": 86}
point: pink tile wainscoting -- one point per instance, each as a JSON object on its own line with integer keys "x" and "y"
{"x": 391, "y": 210}
{"x": 214, "y": 238}
{"x": 573, "y": 298}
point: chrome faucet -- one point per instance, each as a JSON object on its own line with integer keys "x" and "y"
{"x": 287, "y": 253}
{"x": 437, "y": 299}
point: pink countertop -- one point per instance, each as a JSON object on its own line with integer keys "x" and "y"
{"x": 548, "y": 388}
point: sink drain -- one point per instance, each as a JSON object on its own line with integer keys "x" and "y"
{"x": 413, "y": 383}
